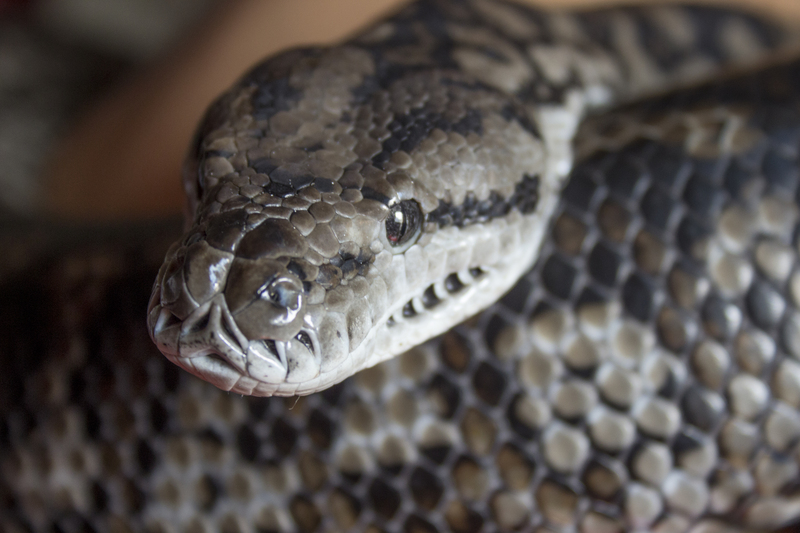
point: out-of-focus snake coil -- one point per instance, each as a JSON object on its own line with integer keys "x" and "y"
{"x": 350, "y": 204}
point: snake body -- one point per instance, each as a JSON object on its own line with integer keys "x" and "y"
{"x": 350, "y": 203}
{"x": 642, "y": 376}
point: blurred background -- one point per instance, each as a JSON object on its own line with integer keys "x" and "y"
{"x": 55, "y": 56}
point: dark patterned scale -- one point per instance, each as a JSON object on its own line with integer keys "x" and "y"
{"x": 645, "y": 374}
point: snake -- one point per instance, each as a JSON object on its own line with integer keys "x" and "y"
{"x": 566, "y": 296}
{"x": 351, "y": 203}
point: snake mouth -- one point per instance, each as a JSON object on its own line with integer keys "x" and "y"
{"x": 209, "y": 344}
{"x": 437, "y": 294}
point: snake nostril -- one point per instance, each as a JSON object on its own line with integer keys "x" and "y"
{"x": 267, "y": 302}
{"x": 284, "y": 292}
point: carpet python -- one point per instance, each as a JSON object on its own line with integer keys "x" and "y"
{"x": 350, "y": 203}
{"x": 644, "y": 375}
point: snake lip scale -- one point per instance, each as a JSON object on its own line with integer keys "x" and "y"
{"x": 336, "y": 191}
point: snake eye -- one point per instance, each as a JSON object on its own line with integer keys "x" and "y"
{"x": 403, "y": 223}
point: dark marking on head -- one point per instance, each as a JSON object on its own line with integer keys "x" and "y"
{"x": 224, "y": 230}
{"x": 273, "y": 238}
{"x": 271, "y": 81}
{"x": 371, "y": 194}
{"x": 362, "y": 93}
{"x": 471, "y": 211}
{"x": 297, "y": 268}
{"x": 526, "y": 195}
{"x": 330, "y": 276}
{"x": 515, "y": 113}
{"x": 351, "y": 264}
{"x": 273, "y": 97}
{"x": 409, "y": 130}
{"x": 283, "y": 183}
{"x": 423, "y": 20}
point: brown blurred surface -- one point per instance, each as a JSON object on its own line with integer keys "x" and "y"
{"x": 122, "y": 159}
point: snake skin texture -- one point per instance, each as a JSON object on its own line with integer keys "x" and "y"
{"x": 643, "y": 376}
{"x": 350, "y": 203}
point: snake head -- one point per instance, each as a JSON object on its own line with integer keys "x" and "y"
{"x": 340, "y": 218}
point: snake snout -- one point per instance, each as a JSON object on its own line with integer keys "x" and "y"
{"x": 249, "y": 332}
{"x": 266, "y": 300}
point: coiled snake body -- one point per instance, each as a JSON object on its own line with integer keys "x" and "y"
{"x": 352, "y": 202}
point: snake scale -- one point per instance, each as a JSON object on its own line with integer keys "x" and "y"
{"x": 349, "y": 203}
